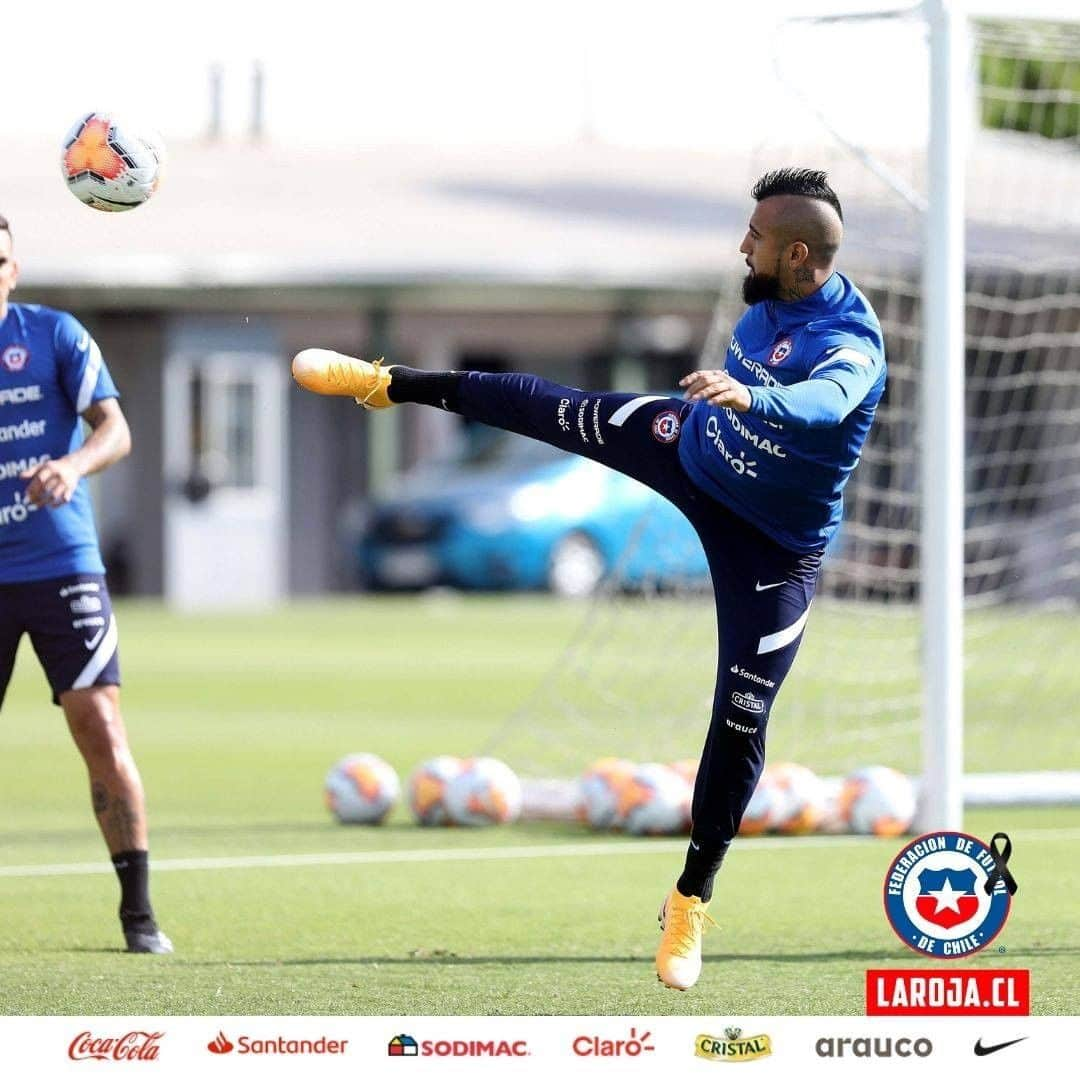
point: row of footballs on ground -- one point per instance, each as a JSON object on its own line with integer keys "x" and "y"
{"x": 613, "y": 793}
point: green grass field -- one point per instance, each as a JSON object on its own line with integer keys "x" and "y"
{"x": 235, "y": 720}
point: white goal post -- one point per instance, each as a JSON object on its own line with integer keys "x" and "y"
{"x": 955, "y": 584}
{"x": 941, "y": 804}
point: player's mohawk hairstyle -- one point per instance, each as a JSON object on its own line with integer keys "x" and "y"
{"x": 810, "y": 183}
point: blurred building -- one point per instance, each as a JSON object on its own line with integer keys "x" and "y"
{"x": 590, "y": 264}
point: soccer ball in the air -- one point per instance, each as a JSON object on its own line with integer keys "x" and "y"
{"x": 802, "y": 799}
{"x": 877, "y": 800}
{"x": 361, "y": 789}
{"x": 485, "y": 792}
{"x": 600, "y": 787}
{"x": 654, "y": 801}
{"x": 109, "y": 165}
{"x": 427, "y": 788}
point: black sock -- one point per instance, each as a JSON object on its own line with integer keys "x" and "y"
{"x": 702, "y": 863}
{"x": 438, "y": 388}
{"x": 133, "y": 870}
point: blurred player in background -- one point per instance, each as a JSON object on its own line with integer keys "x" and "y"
{"x": 756, "y": 456}
{"x": 52, "y": 580}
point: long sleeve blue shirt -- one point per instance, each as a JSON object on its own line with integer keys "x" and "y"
{"x": 816, "y": 372}
{"x": 51, "y": 371}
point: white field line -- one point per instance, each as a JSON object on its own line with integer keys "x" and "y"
{"x": 430, "y": 855}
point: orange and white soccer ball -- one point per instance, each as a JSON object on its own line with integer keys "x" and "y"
{"x": 109, "y": 164}
{"x": 427, "y": 788}
{"x": 600, "y": 787}
{"x": 687, "y": 768}
{"x": 654, "y": 801}
{"x": 764, "y": 809}
{"x": 802, "y": 799}
{"x": 877, "y": 801}
{"x": 485, "y": 792}
{"x": 361, "y": 789}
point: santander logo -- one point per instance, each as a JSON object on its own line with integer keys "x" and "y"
{"x": 133, "y": 1046}
{"x": 220, "y": 1045}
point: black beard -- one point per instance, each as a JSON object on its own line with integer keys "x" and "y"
{"x": 759, "y": 287}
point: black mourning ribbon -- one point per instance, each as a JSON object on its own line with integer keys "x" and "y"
{"x": 1001, "y": 870}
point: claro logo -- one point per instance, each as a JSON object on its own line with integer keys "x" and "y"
{"x": 132, "y": 1046}
{"x": 876, "y": 1048}
{"x": 597, "y": 1046}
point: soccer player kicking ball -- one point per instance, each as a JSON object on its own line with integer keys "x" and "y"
{"x": 755, "y": 455}
{"x": 52, "y": 581}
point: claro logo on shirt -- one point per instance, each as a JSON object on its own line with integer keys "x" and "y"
{"x": 20, "y": 395}
{"x": 17, "y": 512}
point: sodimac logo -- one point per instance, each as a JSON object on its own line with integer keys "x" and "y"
{"x": 131, "y": 1046}
{"x": 407, "y": 1046}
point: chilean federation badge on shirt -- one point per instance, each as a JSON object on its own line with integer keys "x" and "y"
{"x": 948, "y": 895}
{"x": 781, "y": 351}
{"x": 14, "y": 357}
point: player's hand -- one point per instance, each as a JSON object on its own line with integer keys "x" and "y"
{"x": 52, "y": 483}
{"x": 716, "y": 388}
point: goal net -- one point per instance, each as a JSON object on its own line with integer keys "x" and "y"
{"x": 637, "y": 679}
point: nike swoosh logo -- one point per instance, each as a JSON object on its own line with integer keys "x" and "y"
{"x": 95, "y": 639}
{"x": 758, "y": 587}
{"x": 982, "y": 1051}
{"x": 694, "y": 846}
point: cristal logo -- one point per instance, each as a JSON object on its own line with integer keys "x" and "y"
{"x": 220, "y": 1045}
{"x": 595, "y": 1046}
{"x": 748, "y": 702}
{"x": 132, "y": 1046}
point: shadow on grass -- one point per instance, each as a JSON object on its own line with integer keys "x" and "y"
{"x": 435, "y": 958}
{"x": 447, "y": 960}
{"x": 329, "y": 829}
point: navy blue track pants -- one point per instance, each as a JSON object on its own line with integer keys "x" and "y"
{"x": 763, "y": 591}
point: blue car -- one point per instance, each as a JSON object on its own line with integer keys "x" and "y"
{"x": 505, "y": 512}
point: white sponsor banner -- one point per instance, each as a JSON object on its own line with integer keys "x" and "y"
{"x": 373, "y": 1048}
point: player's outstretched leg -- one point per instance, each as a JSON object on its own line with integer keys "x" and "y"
{"x": 682, "y": 922}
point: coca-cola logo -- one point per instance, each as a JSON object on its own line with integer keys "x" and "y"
{"x": 132, "y": 1046}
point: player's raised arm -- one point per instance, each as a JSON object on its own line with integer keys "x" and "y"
{"x": 825, "y": 399}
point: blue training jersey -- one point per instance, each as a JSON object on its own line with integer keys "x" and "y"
{"x": 816, "y": 372}
{"x": 50, "y": 371}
